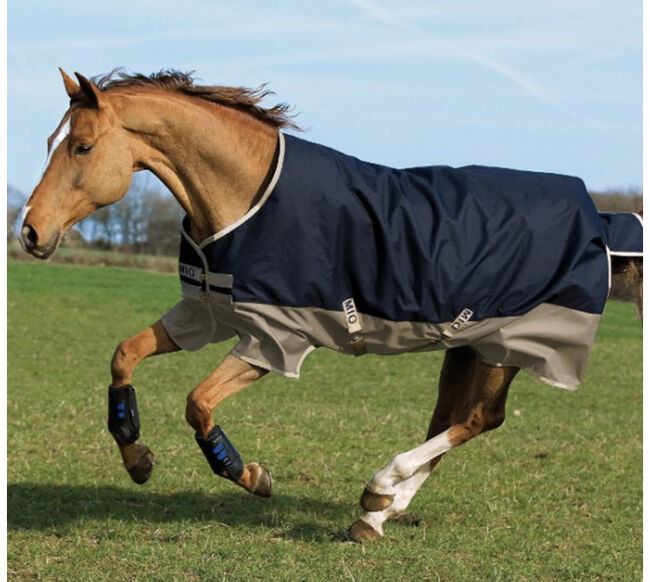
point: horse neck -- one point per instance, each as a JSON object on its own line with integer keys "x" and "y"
{"x": 215, "y": 160}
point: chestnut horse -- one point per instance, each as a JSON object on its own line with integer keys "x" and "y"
{"x": 219, "y": 152}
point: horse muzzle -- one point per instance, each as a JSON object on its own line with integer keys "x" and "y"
{"x": 31, "y": 242}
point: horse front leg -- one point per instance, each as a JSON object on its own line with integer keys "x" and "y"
{"x": 231, "y": 376}
{"x": 123, "y": 418}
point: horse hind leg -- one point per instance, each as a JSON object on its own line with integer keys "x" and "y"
{"x": 471, "y": 400}
{"x": 454, "y": 391}
{"x": 455, "y": 380}
{"x": 124, "y": 423}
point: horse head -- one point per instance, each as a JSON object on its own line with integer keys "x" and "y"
{"x": 89, "y": 165}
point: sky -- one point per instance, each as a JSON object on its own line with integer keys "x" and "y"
{"x": 550, "y": 86}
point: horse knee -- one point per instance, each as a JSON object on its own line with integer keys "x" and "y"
{"x": 197, "y": 412}
{"x": 122, "y": 364}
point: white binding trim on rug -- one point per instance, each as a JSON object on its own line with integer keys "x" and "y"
{"x": 630, "y": 253}
{"x": 558, "y": 384}
{"x": 625, "y": 254}
{"x": 267, "y": 366}
{"x": 609, "y": 270}
{"x": 269, "y": 189}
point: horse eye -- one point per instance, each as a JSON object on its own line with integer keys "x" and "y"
{"x": 83, "y": 149}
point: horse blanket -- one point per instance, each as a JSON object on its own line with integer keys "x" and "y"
{"x": 359, "y": 257}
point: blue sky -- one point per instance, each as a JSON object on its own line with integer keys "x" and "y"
{"x": 552, "y": 86}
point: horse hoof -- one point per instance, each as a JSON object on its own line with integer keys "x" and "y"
{"x": 360, "y": 532}
{"x": 374, "y": 501}
{"x": 141, "y": 470}
{"x": 261, "y": 480}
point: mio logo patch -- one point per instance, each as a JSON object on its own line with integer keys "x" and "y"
{"x": 462, "y": 319}
{"x": 190, "y": 271}
{"x": 352, "y": 318}
{"x": 458, "y": 323}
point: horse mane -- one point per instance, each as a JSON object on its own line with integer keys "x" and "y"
{"x": 240, "y": 98}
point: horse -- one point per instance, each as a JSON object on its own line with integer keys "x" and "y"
{"x": 291, "y": 245}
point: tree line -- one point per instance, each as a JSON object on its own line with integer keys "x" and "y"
{"x": 147, "y": 219}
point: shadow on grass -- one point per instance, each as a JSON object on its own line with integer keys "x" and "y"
{"x": 32, "y": 506}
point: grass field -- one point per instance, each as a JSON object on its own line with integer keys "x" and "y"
{"x": 554, "y": 494}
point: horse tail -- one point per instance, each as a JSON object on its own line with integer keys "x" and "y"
{"x": 631, "y": 270}
{"x": 634, "y": 279}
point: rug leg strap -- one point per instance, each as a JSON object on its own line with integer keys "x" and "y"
{"x": 123, "y": 420}
{"x": 220, "y": 453}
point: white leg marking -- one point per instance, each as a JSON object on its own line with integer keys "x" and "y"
{"x": 404, "y": 492}
{"x": 406, "y": 464}
{"x": 375, "y": 520}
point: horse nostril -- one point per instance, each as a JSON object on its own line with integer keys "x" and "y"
{"x": 30, "y": 238}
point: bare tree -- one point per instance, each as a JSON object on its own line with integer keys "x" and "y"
{"x": 618, "y": 200}
{"x": 144, "y": 221}
{"x": 163, "y": 227}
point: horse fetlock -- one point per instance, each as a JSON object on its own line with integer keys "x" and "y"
{"x": 138, "y": 461}
{"x": 398, "y": 470}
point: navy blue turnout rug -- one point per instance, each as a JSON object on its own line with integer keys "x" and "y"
{"x": 359, "y": 257}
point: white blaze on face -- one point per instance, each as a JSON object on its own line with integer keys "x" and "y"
{"x": 63, "y": 132}
{"x": 18, "y": 225}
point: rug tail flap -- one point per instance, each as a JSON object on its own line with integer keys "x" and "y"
{"x": 624, "y": 232}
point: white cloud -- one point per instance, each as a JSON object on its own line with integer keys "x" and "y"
{"x": 467, "y": 47}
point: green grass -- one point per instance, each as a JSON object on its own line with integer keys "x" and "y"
{"x": 555, "y": 494}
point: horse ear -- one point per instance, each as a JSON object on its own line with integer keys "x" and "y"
{"x": 71, "y": 87}
{"x": 90, "y": 92}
